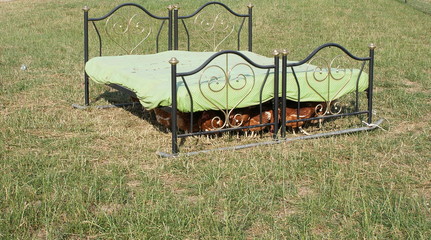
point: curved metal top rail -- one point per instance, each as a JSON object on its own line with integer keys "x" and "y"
{"x": 325, "y": 46}
{"x": 213, "y": 3}
{"x": 208, "y": 61}
{"x": 124, "y": 5}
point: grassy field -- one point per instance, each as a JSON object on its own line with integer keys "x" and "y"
{"x": 94, "y": 174}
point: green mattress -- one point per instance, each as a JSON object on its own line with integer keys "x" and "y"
{"x": 227, "y": 82}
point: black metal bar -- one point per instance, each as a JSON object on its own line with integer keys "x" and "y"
{"x": 328, "y": 116}
{"x": 99, "y": 37}
{"x": 170, "y": 7}
{"x": 276, "y": 82}
{"x": 357, "y": 87}
{"x": 175, "y": 27}
{"x": 260, "y": 96}
{"x": 184, "y": 135}
{"x": 299, "y": 93}
{"x": 283, "y": 93}
{"x": 319, "y": 135}
{"x": 158, "y": 36}
{"x": 187, "y": 34}
{"x": 299, "y": 89}
{"x": 128, "y": 4}
{"x": 308, "y": 58}
{"x": 215, "y": 3}
{"x": 250, "y": 27}
{"x": 263, "y": 85}
{"x": 191, "y": 103}
{"x": 122, "y": 89}
{"x": 370, "y": 83}
{"x": 174, "y": 121}
{"x": 116, "y": 105}
{"x": 86, "y": 82}
{"x": 239, "y": 35}
{"x": 221, "y": 53}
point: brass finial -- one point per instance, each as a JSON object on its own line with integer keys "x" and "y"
{"x": 86, "y": 9}
{"x": 250, "y": 5}
{"x": 284, "y": 52}
{"x": 170, "y": 7}
{"x": 173, "y": 61}
{"x": 372, "y": 46}
{"x": 176, "y": 6}
{"x": 275, "y": 52}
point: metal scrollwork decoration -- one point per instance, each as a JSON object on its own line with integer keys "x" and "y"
{"x": 222, "y": 83}
{"x": 120, "y": 27}
{"x": 322, "y": 77}
{"x": 211, "y": 28}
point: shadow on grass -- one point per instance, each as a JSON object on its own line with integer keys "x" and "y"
{"x": 136, "y": 109}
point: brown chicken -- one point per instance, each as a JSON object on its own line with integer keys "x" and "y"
{"x": 267, "y": 117}
{"x": 250, "y": 117}
{"x": 239, "y": 118}
{"x": 210, "y": 120}
{"x": 306, "y": 110}
{"x": 163, "y": 116}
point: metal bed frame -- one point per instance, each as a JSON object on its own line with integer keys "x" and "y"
{"x": 278, "y": 104}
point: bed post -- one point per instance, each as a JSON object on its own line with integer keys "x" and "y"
{"x": 176, "y": 7}
{"x": 370, "y": 83}
{"x": 250, "y": 27}
{"x": 283, "y": 92}
{"x": 174, "y": 63}
{"x": 86, "y": 88}
{"x": 276, "y": 55}
{"x": 170, "y": 8}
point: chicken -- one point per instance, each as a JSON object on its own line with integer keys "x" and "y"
{"x": 251, "y": 116}
{"x": 306, "y": 110}
{"x": 184, "y": 121}
{"x": 267, "y": 117}
{"x": 239, "y": 118}
{"x": 211, "y": 120}
{"x": 163, "y": 116}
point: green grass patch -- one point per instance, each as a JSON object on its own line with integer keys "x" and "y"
{"x": 78, "y": 174}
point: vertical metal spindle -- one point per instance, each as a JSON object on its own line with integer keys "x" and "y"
{"x": 86, "y": 83}
{"x": 250, "y": 27}
{"x": 370, "y": 83}
{"x": 174, "y": 63}
{"x": 276, "y": 82}
{"x": 170, "y": 8}
{"x": 176, "y": 7}
{"x": 283, "y": 91}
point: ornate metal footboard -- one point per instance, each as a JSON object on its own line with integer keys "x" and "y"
{"x": 329, "y": 79}
{"x": 224, "y": 86}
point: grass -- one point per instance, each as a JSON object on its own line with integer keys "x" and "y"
{"x": 94, "y": 174}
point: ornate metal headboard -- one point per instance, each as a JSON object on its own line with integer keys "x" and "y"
{"x": 128, "y": 30}
{"x": 214, "y": 24}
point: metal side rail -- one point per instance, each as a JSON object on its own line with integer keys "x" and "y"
{"x": 117, "y": 105}
{"x": 371, "y": 126}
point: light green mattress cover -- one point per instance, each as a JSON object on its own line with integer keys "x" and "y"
{"x": 149, "y": 76}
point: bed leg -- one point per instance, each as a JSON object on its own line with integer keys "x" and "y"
{"x": 86, "y": 88}
{"x": 370, "y": 83}
{"x": 174, "y": 121}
